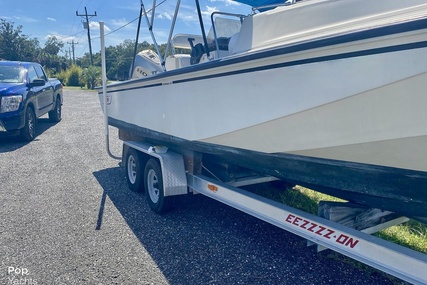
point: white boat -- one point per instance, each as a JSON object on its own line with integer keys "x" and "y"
{"x": 329, "y": 94}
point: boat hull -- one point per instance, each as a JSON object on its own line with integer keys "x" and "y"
{"x": 342, "y": 114}
{"x": 394, "y": 189}
{"x": 363, "y": 106}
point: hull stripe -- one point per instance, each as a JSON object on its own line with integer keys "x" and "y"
{"x": 362, "y": 35}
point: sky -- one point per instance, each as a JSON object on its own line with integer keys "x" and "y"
{"x": 42, "y": 19}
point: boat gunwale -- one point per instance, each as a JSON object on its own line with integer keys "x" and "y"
{"x": 398, "y": 28}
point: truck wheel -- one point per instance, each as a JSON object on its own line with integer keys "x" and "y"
{"x": 56, "y": 114}
{"x": 154, "y": 187}
{"x": 28, "y": 132}
{"x": 133, "y": 170}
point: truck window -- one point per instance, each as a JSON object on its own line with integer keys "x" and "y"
{"x": 11, "y": 74}
{"x": 40, "y": 72}
{"x": 32, "y": 74}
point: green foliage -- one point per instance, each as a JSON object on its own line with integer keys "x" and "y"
{"x": 411, "y": 234}
{"x": 16, "y": 46}
{"x": 53, "y": 46}
{"x": 92, "y": 76}
{"x": 77, "y": 76}
{"x": 118, "y": 59}
{"x": 62, "y": 76}
{"x": 73, "y": 76}
{"x": 13, "y": 44}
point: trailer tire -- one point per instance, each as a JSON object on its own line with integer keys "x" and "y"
{"x": 134, "y": 172}
{"x": 153, "y": 183}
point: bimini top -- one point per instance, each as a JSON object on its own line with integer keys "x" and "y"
{"x": 263, "y": 3}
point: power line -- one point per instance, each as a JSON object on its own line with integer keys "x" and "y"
{"x": 123, "y": 26}
{"x": 100, "y": 6}
{"x": 119, "y": 28}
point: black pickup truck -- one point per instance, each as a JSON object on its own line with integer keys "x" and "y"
{"x": 26, "y": 94}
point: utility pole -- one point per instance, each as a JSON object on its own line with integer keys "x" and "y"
{"x": 86, "y": 26}
{"x": 72, "y": 48}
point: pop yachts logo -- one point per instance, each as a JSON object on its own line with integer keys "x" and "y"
{"x": 17, "y": 275}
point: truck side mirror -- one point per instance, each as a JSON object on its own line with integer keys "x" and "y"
{"x": 37, "y": 82}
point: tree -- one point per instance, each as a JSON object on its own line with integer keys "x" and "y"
{"x": 118, "y": 59}
{"x": 49, "y": 57}
{"x": 53, "y": 46}
{"x": 14, "y": 45}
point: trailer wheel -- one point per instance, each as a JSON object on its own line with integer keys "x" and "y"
{"x": 154, "y": 187}
{"x": 133, "y": 170}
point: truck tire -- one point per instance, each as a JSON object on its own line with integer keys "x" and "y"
{"x": 28, "y": 132}
{"x": 55, "y": 115}
{"x": 153, "y": 183}
{"x": 134, "y": 170}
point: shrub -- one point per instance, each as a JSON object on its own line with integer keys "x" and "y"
{"x": 62, "y": 76}
{"x": 74, "y": 76}
{"x": 92, "y": 76}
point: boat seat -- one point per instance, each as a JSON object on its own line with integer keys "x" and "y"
{"x": 232, "y": 43}
{"x": 177, "y": 61}
{"x": 222, "y": 44}
{"x": 198, "y": 50}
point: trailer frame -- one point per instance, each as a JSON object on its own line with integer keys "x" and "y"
{"x": 178, "y": 179}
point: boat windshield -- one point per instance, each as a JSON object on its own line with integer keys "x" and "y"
{"x": 222, "y": 28}
{"x": 225, "y": 27}
{"x": 11, "y": 74}
{"x": 183, "y": 50}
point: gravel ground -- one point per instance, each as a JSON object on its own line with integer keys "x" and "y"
{"x": 67, "y": 217}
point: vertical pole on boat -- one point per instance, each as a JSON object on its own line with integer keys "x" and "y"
{"x": 153, "y": 10}
{"x": 135, "y": 49}
{"x": 104, "y": 91}
{"x": 150, "y": 28}
{"x": 178, "y": 3}
{"x": 199, "y": 13}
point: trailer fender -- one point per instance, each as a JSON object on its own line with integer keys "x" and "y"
{"x": 171, "y": 163}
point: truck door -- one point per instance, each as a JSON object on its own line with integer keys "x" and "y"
{"x": 35, "y": 90}
{"x": 44, "y": 93}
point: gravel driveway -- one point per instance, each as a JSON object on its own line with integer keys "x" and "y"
{"x": 67, "y": 217}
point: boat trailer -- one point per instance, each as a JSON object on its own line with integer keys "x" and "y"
{"x": 168, "y": 173}
{"x": 164, "y": 173}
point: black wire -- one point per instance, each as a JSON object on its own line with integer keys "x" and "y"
{"x": 129, "y": 22}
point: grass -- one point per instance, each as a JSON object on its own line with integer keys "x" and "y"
{"x": 78, "y": 88}
{"x": 411, "y": 234}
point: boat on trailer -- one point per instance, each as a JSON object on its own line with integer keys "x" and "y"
{"x": 327, "y": 94}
